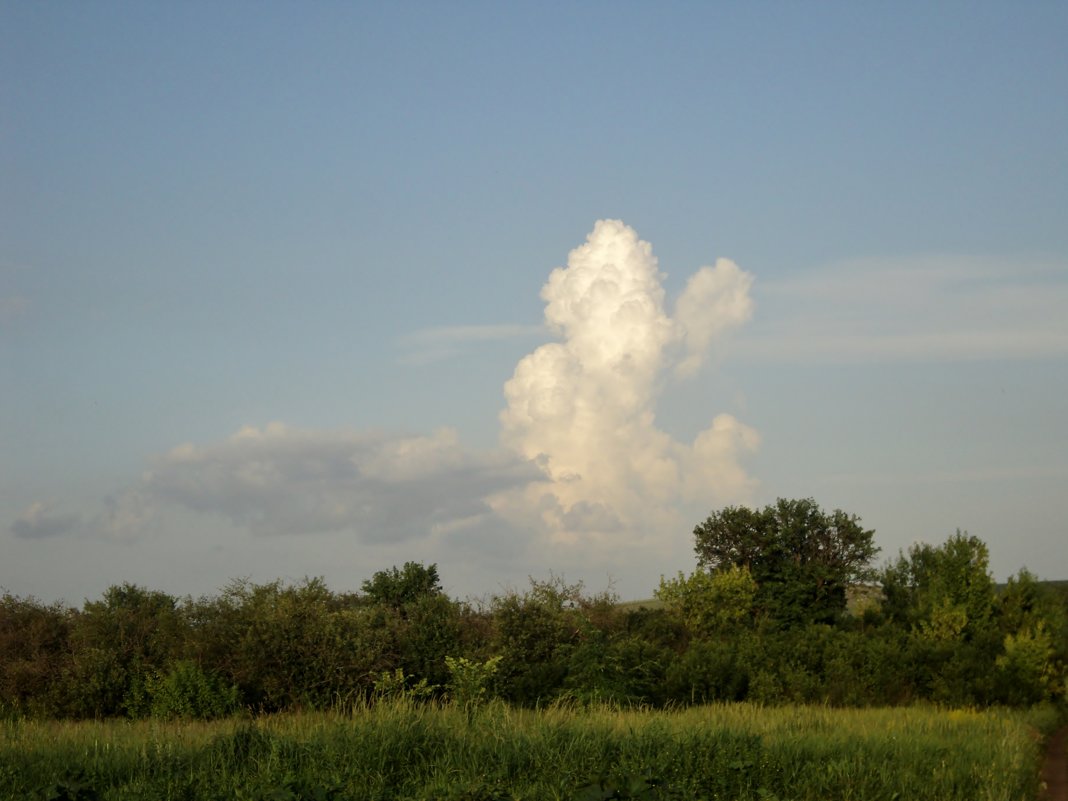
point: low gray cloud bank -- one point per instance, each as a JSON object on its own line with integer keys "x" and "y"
{"x": 279, "y": 480}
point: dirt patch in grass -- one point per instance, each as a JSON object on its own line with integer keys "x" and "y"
{"x": 1055, "y": 768}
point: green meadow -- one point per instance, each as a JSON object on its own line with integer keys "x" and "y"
{"x": 409, "y": 750}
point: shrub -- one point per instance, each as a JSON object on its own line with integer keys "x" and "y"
{"x": 1026, "y": 671}
{"x": 187, "y": 691}
{"x": 469, "y": 684}
{"x": 395, "y": 686}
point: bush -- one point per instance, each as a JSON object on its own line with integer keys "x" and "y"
{"x": 710, "y": 670}
{"x": 187, "y": 691}
{"x": 1026, "y": 672}
{"x": 535, "y": 633}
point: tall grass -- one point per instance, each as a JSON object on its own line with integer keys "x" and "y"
{"x": 407, "y": 751}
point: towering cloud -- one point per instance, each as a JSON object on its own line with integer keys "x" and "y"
{"x": 583, "y": 408}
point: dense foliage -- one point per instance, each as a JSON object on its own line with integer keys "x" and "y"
{"x": 764, "y": 617}
{"x": 801, "y": 558}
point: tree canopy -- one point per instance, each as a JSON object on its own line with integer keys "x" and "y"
{"x": 399, "y": 586}
{"x": 801, "y": 558}
{"x": 762, "y": 618}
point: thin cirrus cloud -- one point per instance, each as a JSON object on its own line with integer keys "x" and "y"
{"x": 975, "y": 475}
{"x": 921, "y": 309}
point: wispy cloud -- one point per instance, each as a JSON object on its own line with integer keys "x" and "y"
{"x": 427, "y": 345}
{"x": 981, "y": 475}
{"x": 128, "y": 515}
{"x": 931, "y": 308}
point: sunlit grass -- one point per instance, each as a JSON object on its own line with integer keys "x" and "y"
{"x": 407, "y": 751}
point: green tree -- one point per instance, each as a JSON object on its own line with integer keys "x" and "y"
{"x": 802, "y": 558}
{"x": 427, "y": 630}
{"x": 117, "y": 643}
{"x": 1026, "y": 671}
{"x": 424, "y": 622}
{"x": 711, "y": 602}
{"x": 1025, "y": 602}
{"x": 945, "y": 597}
{"x": 945, "y": 593}
{"x": 34, "y": 653}
{"x": 292, "y": 646}
{"x": 399, "y": 586}
{"x": 138, "y": 624}
{"x": 535, "y": 633}
{"x": 1034, "y": 625}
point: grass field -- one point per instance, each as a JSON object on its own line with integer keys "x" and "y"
{"x": 403, "y": 751}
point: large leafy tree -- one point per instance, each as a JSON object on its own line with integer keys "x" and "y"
{"x": 802, "y": 558}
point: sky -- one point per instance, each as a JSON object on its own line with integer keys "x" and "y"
{"x": 524, "y": 289}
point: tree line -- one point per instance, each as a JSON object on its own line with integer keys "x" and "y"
{"x": 784, "y": 605}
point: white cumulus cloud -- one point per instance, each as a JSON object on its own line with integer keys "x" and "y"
{"x": 583, "y": 408}
{"x": 715, "y": 300}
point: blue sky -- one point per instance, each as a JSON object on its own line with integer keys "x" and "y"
{"x": 271, "y": 285}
